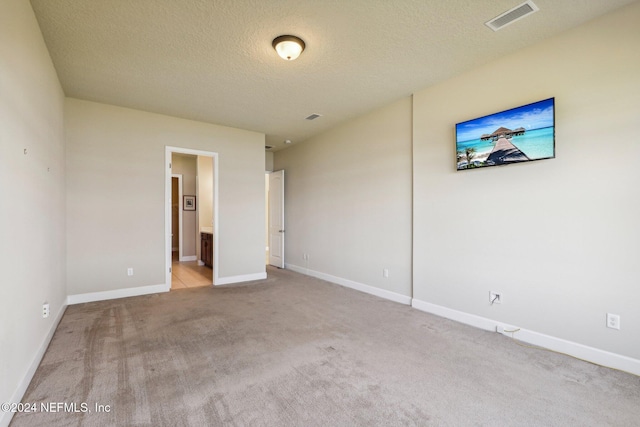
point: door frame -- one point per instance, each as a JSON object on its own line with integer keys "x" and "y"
{"x": 169, "y": 150}
{"x": 179, "y": 177}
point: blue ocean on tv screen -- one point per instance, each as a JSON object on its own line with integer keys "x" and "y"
{"x": 535, "y": 144}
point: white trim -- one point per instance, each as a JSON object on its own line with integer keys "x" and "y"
{"x": 5, "y": 417}
{"x": 458, "y": 316}
{"x": 169, "y": 150}
{"x": 242, "y": 278}
{"x": 117, "y": 293}
{"x": 189, "y": 258}
{"x": 382, "y": 293}
{"x": 581, "y": 351}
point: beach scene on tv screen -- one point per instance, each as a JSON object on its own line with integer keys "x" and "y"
{"x": 518, "y": 135}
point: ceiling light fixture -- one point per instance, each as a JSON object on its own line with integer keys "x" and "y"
{"x": 288, "y": 47}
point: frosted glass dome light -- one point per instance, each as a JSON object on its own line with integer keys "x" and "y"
{"x": 288, "y": 47}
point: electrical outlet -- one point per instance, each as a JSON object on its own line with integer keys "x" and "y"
{"x": 613, "y": 321}
{"x": 385, "y": 272}
{"x": 129, "y": 271}
{"x": 45, "y": 310}
{"x": 305, "y": 257}
{"x": 495, "y": 297}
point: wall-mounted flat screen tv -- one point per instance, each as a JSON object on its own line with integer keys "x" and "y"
{"x": 521, "y": 134}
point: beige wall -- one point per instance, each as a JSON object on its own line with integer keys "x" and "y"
{"x": 116, "y": 195}
{"x": 186, "y": 165}
{"x": 205, "y": 191}
{"x": 559, "y": 238}
{"x": 348, "y": 200}
{"x": 204, "y": 203}
{"x": 32, "y": 229}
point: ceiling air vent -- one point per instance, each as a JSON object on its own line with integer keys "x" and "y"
{"x": 313, "y": 116}
{"x": 512, "y": 15}
{"x": 268, "y": 147}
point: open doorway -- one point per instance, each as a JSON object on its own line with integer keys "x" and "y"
{"x": 191, "y": 206}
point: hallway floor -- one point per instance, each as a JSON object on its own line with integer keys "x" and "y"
{"x": 188, "y": 274}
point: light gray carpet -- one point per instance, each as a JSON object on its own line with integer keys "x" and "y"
{"x": 297, "y": 351}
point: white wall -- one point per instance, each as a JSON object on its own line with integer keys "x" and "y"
{"x": 348, "y": 200}
{"x": 32, "y": 230}
{"x": 116, "y": 190}
{"x": 559, "y": 238}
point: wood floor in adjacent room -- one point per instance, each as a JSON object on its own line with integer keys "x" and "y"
{"x": 188, "y": 274}
{"x": 293, "y": 350}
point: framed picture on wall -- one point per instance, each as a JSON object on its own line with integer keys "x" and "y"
{"x": 189, "y": 203}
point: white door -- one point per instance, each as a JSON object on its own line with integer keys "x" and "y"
{"x": 276, "y": 218}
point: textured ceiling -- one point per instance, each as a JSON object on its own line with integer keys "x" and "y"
{"x": 212, "y": 60}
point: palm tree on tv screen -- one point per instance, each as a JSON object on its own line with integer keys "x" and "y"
{"x": 470, "y": 153}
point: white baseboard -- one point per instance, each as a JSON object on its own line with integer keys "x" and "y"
{"x": 458, "y": 316}
{"x": 591, "y": 354}
{"x": 200, "y": 262}
{"x": 5, "y": 417}
{"x": 382, "y": 293}
{"x": 117, "y": 293}
{"x": 189, "y": 258}
{"x": 242, "y": 278}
